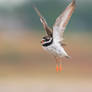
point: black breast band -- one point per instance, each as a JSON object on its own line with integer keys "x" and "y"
{"x": 47, "y": 44}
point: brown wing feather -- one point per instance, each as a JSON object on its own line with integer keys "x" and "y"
{"x": 47, "y": 29}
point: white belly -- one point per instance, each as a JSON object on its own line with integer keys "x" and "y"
{"x": 56, "y": 50}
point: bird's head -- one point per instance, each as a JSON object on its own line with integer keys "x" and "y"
{"x": 46, "y": 40}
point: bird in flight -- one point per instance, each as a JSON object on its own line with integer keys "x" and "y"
{"x": 52, "y": 42}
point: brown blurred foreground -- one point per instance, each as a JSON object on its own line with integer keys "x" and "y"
{"x": 26, "y": 67}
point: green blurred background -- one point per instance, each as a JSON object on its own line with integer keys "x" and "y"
{"x": 25, "y": 66}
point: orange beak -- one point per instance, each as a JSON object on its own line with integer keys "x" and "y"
{"x": 42, "y": 41}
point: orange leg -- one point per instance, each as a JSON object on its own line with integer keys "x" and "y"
{"x": 58, "y": 62}
{"x": 57, "y": 68}
{"x": 60, "y": 67}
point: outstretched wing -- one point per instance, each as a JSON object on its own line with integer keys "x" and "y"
{"x": 47, "y": 29}
{"x": 62, "y": 21}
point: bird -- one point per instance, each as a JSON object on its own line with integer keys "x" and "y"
{"x": 52, "y": 42}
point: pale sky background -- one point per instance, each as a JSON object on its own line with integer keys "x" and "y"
{"x": 12, "y": 2}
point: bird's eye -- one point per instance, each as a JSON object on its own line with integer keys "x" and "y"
{"x": 44, "y": 37}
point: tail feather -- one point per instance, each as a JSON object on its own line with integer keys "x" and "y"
{"x": 68, "y": 57}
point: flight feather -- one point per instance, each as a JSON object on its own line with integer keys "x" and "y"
{"x": 62, "y": 21}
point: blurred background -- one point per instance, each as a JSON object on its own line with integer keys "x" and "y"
{"x": 25, "y": 66}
